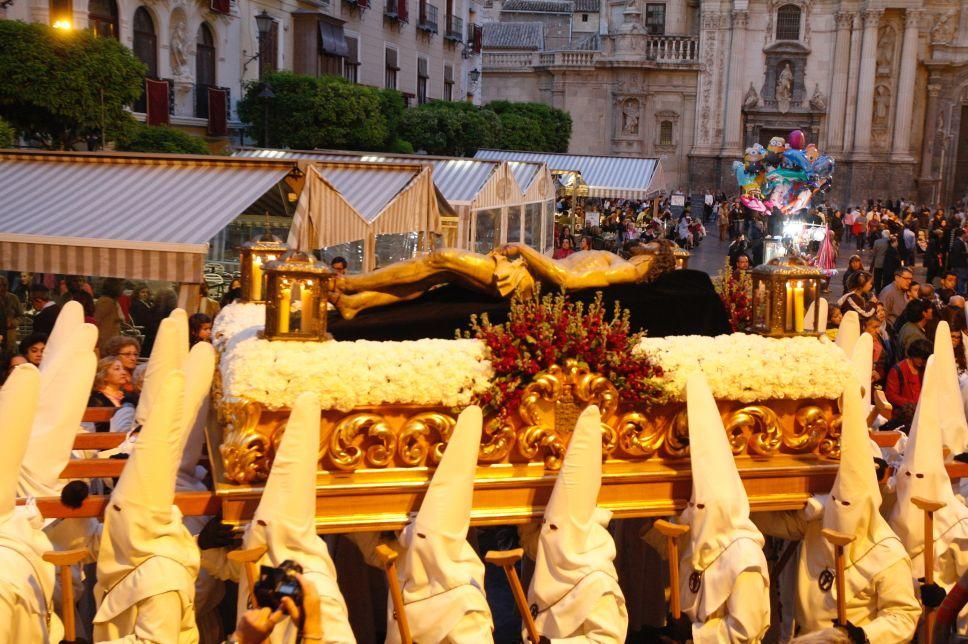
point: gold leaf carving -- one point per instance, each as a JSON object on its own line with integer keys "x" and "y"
{"x": 677, "y": 441}
{"x": 423, "y": 433}
{"x": 245, "y": 451}
{"x": 756, "y": 426}
{"x": 637, "y": 436}
{"x": 810, "y": 426}
{"x": 348, "y": 442}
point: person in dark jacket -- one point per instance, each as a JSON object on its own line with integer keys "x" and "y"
{"x": 958, "y": 259}
{"x": 47, "y": 309}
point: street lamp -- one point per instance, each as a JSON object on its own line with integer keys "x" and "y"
{"x": 474, "y": 75}
{"x": 263, "y": 22}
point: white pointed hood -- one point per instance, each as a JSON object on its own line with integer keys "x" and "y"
{"x": 285, "y": 523}
{"x": 922, "y": 474}
{"x": 853, "y": 507}
{"x": 954, "y": 426}
{"x": 723, "y": 542}
{"x": 20, "y": 526}
{"x": 862, "y": 364}
{"x": 437, "y": 563}
{"x": 823, "y": 313}
{"x": 848, "y": 332}
{"x": 141, "y": 524}
{"x": 66, "y": 373}
{"x": 574, "y": 564}
{"x": 199, "y": 370}
{"x": 167, "y": 354}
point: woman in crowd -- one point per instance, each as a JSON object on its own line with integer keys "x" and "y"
{"x": 854, "y": 265}
{"x": 859, "y": 297}
{"x": 126, "y": 349}
{"x": 199, "y": 329}
{"x": 109, "y": 383}
{"x": 835, "y": 316}
{"x": 903, "y": 386}
{"x": 955, "y": 317}
{"x": 107, "y": 312}
{"x": 141, "y": 306}
{"x": 32, "y": 348}
{"x": 881, "y": 354}
{"x": 234, "y": 293}
{"x": 564, "y": 250}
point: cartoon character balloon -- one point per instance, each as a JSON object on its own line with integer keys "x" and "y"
{"x": 785, "y": 175}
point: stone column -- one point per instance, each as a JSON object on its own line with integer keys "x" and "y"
{"x": 928, "y": 137}
{"x": 865, "y": 93}
{"x": 838, "y": 85}
{"x": 901, "y": 150}
{"x": 852, "y": 74}
{"x": 733, "y": 139}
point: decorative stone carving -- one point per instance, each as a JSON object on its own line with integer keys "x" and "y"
{"x": 179, "y": 46}
{"x": 752, "y": 99}
{"x": 944, "y": 28}
{"x": 630, "y": 116}
{"x": 844, "y": 19}
{"x": 818, "y": 101}
{"x": 882, "y": 103}
{"x": 740, "y": 19}
{"x": 784, "y": 89}
{"x": 886, "y": 41}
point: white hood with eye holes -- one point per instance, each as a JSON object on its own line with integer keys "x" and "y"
{"x": 574, "y": 565}
{"x": 922, "y": 474}
{"x": 723, "y": 542}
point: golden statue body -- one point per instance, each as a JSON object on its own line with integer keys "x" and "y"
{"x": 502, "y": 272}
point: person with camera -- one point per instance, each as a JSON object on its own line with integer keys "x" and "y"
{"x": 256, "y": 624}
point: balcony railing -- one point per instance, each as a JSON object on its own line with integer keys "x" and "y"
{"x": 201, "y": 99}
{"x": 672, "y": 49}
{"x": 659, "y": 50}
{"x": 455, "y": 29}
{"x": 428, "y": 17}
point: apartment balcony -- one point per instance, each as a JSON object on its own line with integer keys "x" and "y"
{"x": 428, "y": 18}
{"x": 660, "y": 51}
{"x": 455, "y": 29}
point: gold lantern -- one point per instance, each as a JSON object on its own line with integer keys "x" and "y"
{"x": 682, "y": 258}
{"x": 782, "y": 293}
{"x": 297, "y": 290}
{"x": 253, "y": 257}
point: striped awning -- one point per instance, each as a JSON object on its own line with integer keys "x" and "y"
{"x": 145, "y": 217}
{"x": 607, "y": 177}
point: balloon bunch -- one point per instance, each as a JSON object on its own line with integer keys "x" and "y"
{"x": 784, "y": 176}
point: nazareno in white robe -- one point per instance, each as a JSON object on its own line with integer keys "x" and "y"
{"x": 724, "y": 579}
{"x": 880, "y": 596}
{"x": 574, "y": 592}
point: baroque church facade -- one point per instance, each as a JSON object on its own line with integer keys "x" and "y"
{"x": 881, "y": 86}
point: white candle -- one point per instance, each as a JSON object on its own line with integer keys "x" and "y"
{"x": 306, "y": 300}
{"x": 255, "y": 288}
{"x": 285, "y": 303}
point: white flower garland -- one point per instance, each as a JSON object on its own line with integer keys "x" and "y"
{"x": 745, "y": 368}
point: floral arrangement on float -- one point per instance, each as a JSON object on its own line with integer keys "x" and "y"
{"x": 735, "y": 289}
{"x": 547, "y": 330}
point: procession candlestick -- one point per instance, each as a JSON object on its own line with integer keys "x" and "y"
{"x": 672, "y": 532}
{"x": 929, "y": 508}
{"x": 507, "y": 559}
{"x": 248, "y": 558}
{"x": 839, "y": 541}
{"x": 64, "y": 559}
{"x": 388, "y": 557}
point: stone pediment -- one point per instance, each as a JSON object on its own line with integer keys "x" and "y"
{"x": 787, "y": 47}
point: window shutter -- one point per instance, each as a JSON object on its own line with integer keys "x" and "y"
{"x": 403, "y": 11}
{"x": 448, "y": 74}
{"x": 392, "y": 58}
{"x": 422, "y": 68}
{"x": 353, "y": 50}
{"x": 476, "y": 45}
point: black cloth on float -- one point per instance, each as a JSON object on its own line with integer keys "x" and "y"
{"x": 677, "y": 303}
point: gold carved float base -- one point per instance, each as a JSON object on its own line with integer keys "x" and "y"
{"x": 375, "y": 463}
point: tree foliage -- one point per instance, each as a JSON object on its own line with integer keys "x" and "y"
{"x": 59, "y": 87}
{"x": 532, "y": 126}
{"x": 326, "y": 112}
{"x": 7, "y": 135}
{"x": 450, "y": 128}
{"x": 159, "y": 138}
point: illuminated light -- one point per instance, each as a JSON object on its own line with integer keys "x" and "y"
{"x": 63, "y": 24}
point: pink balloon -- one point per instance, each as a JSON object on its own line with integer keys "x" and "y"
{"x": 796, "y": 139}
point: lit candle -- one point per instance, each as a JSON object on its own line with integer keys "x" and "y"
{"x": 306, "y": 300}
{"x": 789, "y": 306}
{"x": 798, "y": 307}
{"x": 255, "y": 288}
{"x": 285, "y": 303}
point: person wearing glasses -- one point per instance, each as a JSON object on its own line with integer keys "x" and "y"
{"x": 126, "y": 349}
{"x": 894, "y": 295}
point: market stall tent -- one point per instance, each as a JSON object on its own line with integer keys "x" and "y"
{"x": 136, "y": 216}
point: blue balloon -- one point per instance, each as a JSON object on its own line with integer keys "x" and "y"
{"x": 823, "y": 167}
{"x": 797, "y": 159}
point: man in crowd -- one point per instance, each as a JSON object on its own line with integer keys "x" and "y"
{"x": 948, "y": 285}
{"x": 958, "y": 259}
{"x": 47, "y": 309}
{"x": 894, "y": 295}
{"x": 918, "y": 314}
{"x": 879, "y": 251}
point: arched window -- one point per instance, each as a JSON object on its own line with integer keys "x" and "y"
{"x": 788, "y": 22}
{"x": 102, "y": 18}
{"x": 146, "y": 41}
{"x": 204, "y": 68}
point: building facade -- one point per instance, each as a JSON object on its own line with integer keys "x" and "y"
{"x": 881, "y": 86}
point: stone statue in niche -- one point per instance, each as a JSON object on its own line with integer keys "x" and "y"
{"x": 885, "y": 51}
{"x": 944, "y": 29}
{"x": 882, "y": 103}
{"x": 630, "y": 116}
{"x": 752, "y": 100}
{"x": 179, "y": 48}
{"x": 784, "y": 88}
{"x": 818, "y": 102}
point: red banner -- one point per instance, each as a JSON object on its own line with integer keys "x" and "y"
{"x": 157, "y": 110}
{"x": 403, "y": 11}
{"x": 221, "y": 6}
{"x": 217, "y": 108}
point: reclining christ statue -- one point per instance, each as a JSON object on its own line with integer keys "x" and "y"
{"x": 502, "y": 272}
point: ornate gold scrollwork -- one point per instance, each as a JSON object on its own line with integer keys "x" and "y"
{"x": 755, "y": 426}
{"x": 677, "y": 438}
{"x": 810, "y": 426}
{"x": 245, "y": 451}
{"x": 348, "y": 443}
{"x": 415, "y": 441}
{"x": 497, "y": 439}
{"x": 830, "y": 446}
{"x": 637, "y": 436}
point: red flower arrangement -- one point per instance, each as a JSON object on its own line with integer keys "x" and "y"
{"x": 735, "y": 289}
{"x": 544, "y": 330}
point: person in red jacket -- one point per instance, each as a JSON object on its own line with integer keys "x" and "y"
{"x": 903, "y": 387}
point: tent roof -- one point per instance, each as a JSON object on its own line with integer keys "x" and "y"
{"x": 127, "y": 215}
{"x": 606, "y": 176}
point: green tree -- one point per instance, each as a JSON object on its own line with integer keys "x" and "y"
{"x": 532, "y": 126}
{"x": 59, "y": 87}
{"x": 450, "y": 127}
{"x": 326, "y": 112}
{"x": 159, "y": 138}
{"x": 7, "y": 135}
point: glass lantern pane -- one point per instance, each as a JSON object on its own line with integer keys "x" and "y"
{"x": 761, "y": 312}
{"x": 395, "y": 247}
{"x": 304, "y": 307}
{"x": 352, "y": 252}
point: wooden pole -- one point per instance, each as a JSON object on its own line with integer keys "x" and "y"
{"x": 929, "y": 508}
{"x": 64, "y": 559}
{"x": 507, "y": 559}
{"x": 388, "y": 557}
{"x": 672, "y": 532}
{"x": 839, "y": 540}
{"x": 248, "y": 558}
